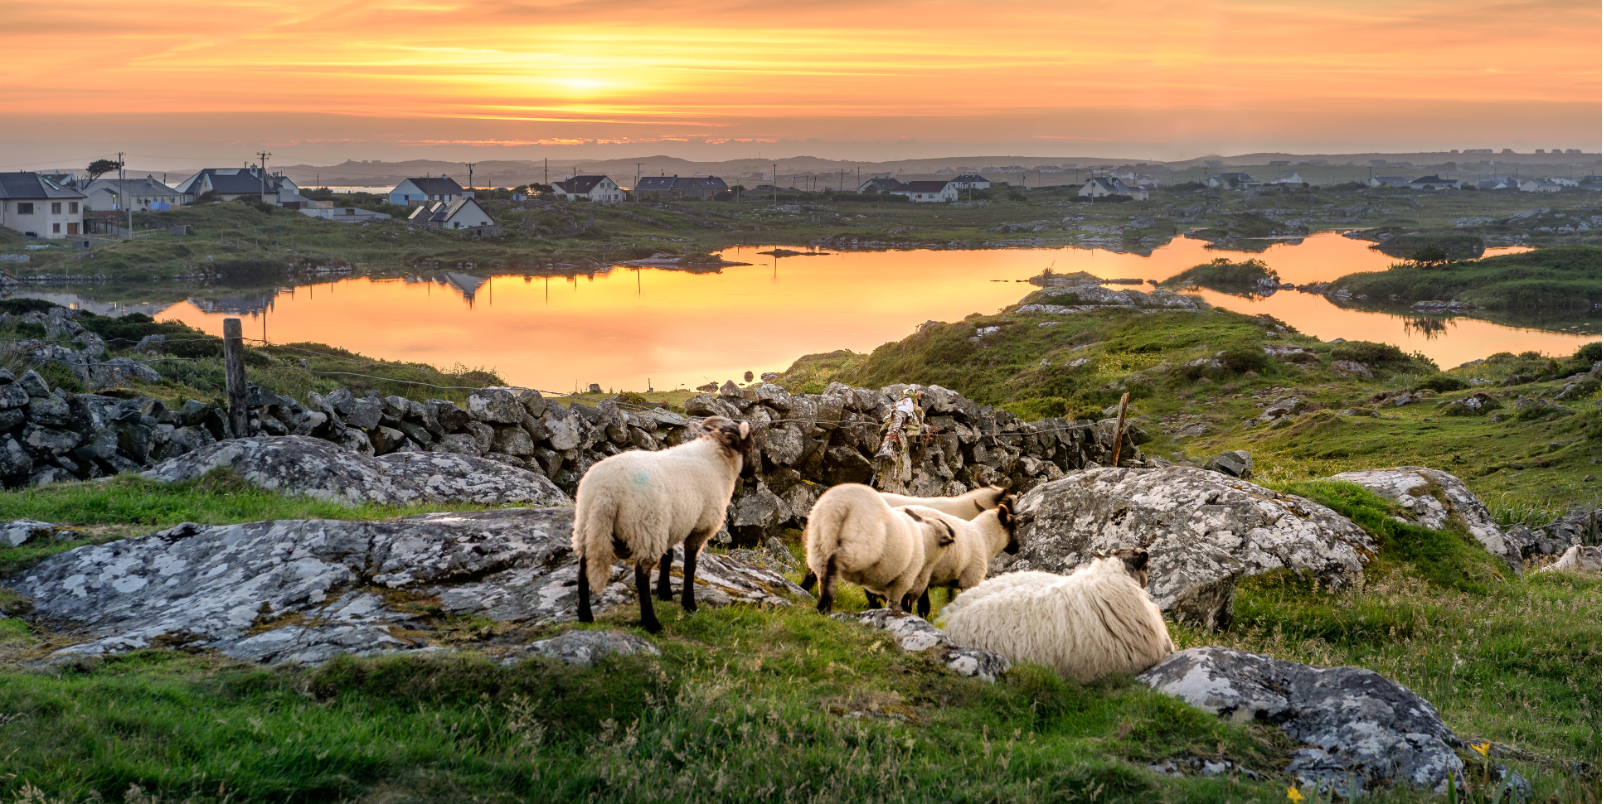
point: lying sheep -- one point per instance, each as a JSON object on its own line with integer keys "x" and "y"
{"x": 1578, "y": 559}
{"x": 1086, "y": 625}
{"x": 638, "y": 505}
{"x": 853, "y": 535}
{"x": 964, "y": 506}
{"x": 965, "y": 564}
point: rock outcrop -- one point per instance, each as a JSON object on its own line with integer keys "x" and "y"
{"x": 317, "y": 468}
{"x": 1347, "y": 722}
{"x": 302, "y": 591}
{"x": 1432, "y": 498}
{"x": 1578, "y": 525}
{"x": 916, "y": 635}
{"x": 1202, "y": 529}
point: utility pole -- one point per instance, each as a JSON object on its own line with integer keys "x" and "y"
{"x": 122, "y": 183}
{"x": 545, "y": 171}
{"x": 264, "y": 155}
{"x": 470, "y": 177}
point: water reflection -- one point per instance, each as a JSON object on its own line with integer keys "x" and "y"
{"x": 633, "y": 326}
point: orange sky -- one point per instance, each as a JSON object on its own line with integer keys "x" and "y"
{"x": 1065, "y": 77}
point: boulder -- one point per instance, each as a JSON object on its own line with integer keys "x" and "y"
{"x": 1202, "y": 529}
{"x": 1432, "y": 498}
{"x": 19, "y": 532}
{"x": 302, "y": 591}
{"x": 1236, "y": 463}
{"x": 1345, "y": 721}
{"x": 1348, "y": 368}
{"x": 303, "y": 465}
{"x": 496, "y": 406}
{"x": 583, "y": 648}
{"x": 916, "y": 635}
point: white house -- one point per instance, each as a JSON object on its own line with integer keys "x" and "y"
{"x": 599, "y": 189}
{"x": 1388, "y": 181}
{"x": 463, "y": 213}
{"x": 1540, "y": 186}
{"x": 344, "y": 214}
{"x": 1101, "y": 186}
{"x": 422, "y": 190}
{"x": 970, "y": 181}
{"x": 1432, "y": 183}
{"x": 879, "y": 184}
{"x": 926, "y": 192}
{"x": 38, "y": 207}
{"x": 234, "y": 183}
{"x": 1233, "y": 181}
{"x": 101, "y": 195}
{"x": 1292, "y": 179}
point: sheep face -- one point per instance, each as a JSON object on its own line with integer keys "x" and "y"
{"x": 1009, "y": 521}
{"x": 1134, "y": 558}
{"x": 736, "y": 437}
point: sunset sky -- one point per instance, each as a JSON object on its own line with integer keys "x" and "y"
{"x": 393, "y": 78}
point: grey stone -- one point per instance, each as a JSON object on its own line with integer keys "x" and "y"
{"x": 386, "y": 439}
{"x": 495, "y": 405}
{"x": 34, "y": 384}
{"x": 340, "y": 401}
{"x": 483, "y": 436}
{"x": 1344, "y": 720}
{"x": 1236, "y": 463}
{"x": 583, "y": 648}
{"x": 185, "y": 440}
{"x": 1432, "y": 498}
{"x": 450, "y": 417}
{"x": 303, "y": 586}
{"x": 13, "y": 395}
{"x": 1348, "y": 368}
{"x": 915, "y": 635}
{"x": 513, "y": 441}
{"x": 1202, "y": 530}
{"x": 193, "y": 412}
{"x": 457, "y": 444}
{"x": 99, "y": 446}
{"x": 135, "y": 440}
{"x": 43, "y": 442}
{"x": 19, "y": 532}
{"x": 365, "y": 413}
{"x": 302, "y": 465}
{"x": 48, "y": 411}
{"x": 14, "y": 459}
{"x": 534, "y": 404}
{"x": 151, "y": 344}
{"x": 562, "y": 433}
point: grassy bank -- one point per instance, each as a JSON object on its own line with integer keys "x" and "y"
{"x": 1560, "y": 280}
{"x": 1239, "y": 278}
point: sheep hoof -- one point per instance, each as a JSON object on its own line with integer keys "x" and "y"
{"x": 652, "y": 627}
{"x": 689, "y": 606}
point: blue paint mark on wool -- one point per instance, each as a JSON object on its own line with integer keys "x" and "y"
{"x": 640, "y": 478}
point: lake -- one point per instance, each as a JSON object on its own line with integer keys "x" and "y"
{"x": 631, "y": 328}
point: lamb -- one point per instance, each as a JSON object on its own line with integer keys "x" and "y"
{"x": 1578, "y": 559}
{"x": 965, "y": 564}
{"x": 853, "y": 534}
{"x": 1086, "y": 625}
{"x": 964, "y": 506}
{"x": 638, "y": 505}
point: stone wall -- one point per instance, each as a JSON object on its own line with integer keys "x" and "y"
{"x": 808, "y": 442}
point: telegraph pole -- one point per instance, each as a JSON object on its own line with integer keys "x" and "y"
{"x": 545, "y": 171}
{"x": 122, "y": 183}
{"x": 264, "y": 155}
{"x": 470, "y": 177}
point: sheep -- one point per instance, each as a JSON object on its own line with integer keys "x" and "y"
{"x": 853, "y": 534}
{"x": 638, "y": 505}
{"x": 1096, "y": 621}
{"x": 965, "y": 563}
{"x": 964, "y": 506}
{"x": 1578, "y": 559}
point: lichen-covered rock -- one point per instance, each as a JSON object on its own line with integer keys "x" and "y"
{"x": 311, "y": 466}
{"x": 1203, "y": 530}
{"x": 303, "y": 591}
{"x": 1345, "y": 720}
{"x": 1432, "y": 498}
{"x": 916, "y": 635}
{"x": 1578, "y": 525}
{"x": 19, "y": 532}
{"x": 583, "y": 648}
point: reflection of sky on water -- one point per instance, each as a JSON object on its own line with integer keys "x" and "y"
{"x": 628, "y": 326}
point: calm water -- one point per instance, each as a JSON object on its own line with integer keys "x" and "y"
{"x": 632, "y": 327}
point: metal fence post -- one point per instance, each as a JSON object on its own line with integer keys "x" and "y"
{"x": 234, "y": 372}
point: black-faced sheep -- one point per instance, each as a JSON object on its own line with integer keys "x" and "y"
{"x": 637, "y": 505}
{"x": 964, "y": 564}
{"x": 1086, "y": 625}
{"x": 853, "y": 535}
{"x": 964, "y": 506}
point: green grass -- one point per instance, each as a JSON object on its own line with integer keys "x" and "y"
{"x": 1240, "y": 278}
{"x": 1562, "y": 280}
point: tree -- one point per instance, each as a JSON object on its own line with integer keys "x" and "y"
{"x": 100, "y": 167}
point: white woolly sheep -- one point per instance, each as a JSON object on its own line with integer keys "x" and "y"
{"x": 853, "y": 535}
{"x": 965, "y": 506}
{"x": 965, "y": 564}
{"x": 1086, "y": 625}
{"x": 638, "y": 505}
{"x": 1578, "y": 559}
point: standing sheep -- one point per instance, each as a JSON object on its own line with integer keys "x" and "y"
{"x": 638, "y": 505}
{"x": 965, "y": 564}
{"x": 853, "y": 535}
{"x": 1094, "y": 622}
{"x": 964, "y": 506}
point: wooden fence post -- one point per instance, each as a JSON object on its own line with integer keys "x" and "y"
{"x": 1119, "y": 429}
{"x": 234, "y": 372}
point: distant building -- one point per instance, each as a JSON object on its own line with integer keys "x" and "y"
{"x": 1388, "y": 181}
{"x": 412, "y": 192}
{"x": 599, "y": 189}
{"x": 1233, "y": 181}
{"x": 1498, "y": 184}
{"x": 463, "y": 213}
{"x": 1594, "y": 183}
{"x": 1289, "y": 179}
{"x": 1432, "y": 183}
{"x": 234, "y": 183}
{"x": 101, "y": 195}
{"x": 677, "y": 187}
{"x": 970, "y": 181}
{"x": 1280, "y": 162}
{"x": 39, "y": 207}
{"x": 345, "y": 214}
{"x": 945, "y": 172}
{"x": 928, "y": 191}
{"x": 1104, "y": 186}
{"x": 879, "y": 184}
{"x": 1540, "y": 186}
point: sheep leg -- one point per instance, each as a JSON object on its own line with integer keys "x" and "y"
{"x": 808, "y": 581}
{"x": 924, "y": 604}
{"x": 827, "y": 587}
{"x": 875, "y": 601}
{"x": 643, "y": 590}
{"x": 687, "y": 592}
{"x": 584, "y": 595}
{"x": 663, "y": 592}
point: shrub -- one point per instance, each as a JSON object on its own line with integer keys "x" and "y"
{"x": 1442, "y": 383}
{"x": 1589, "y": 353}
{"x": 24, "y": 306}
{"x": 1243, "y": 359}
{"x": 1374, "y": 355}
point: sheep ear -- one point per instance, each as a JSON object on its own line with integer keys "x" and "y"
{"x": 950, "y": 537}
{"x": 1138, "y": 561}
{"x": 1005, "y": 516}
{"x": 1097, "y": 554}
{"x": 746, "y": 429}
{"x": 913, "y": 516}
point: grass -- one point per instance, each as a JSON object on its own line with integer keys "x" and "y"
{"x": 1558, "y": 280}
{"x": 1240, "y": 278}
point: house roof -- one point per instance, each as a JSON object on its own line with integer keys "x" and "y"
{"x": 580, "y": 185}
{"x": 1113, "y": 185}
{"x": 32, "y": 185}
{"x": 972, "y": 177}
{"x": 145, "y": 186}
{"x": 923, "y": 187}
{"x": 670, "y": 183}
{"x": 443, "y": 211}
{"x": 232, "y": 181}
{"x": 1234, "y": 176}
{"x": 436, "y": 185}
{"x": 1430, "y": 180}
{"x": 881, "y": 184}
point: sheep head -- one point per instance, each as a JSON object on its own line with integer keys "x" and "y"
{"x": 1134, "y": 558}
{"x": 945, "y": 535}
{"x": 1009, "y": 521}
{"x": 735, "y": 437}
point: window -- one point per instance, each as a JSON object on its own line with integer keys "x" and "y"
{"x": 72, "y": 207}
{"x": 55, "y": 207}
{"x": 55, "y": 228}
{"x": 24, "y": 208}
